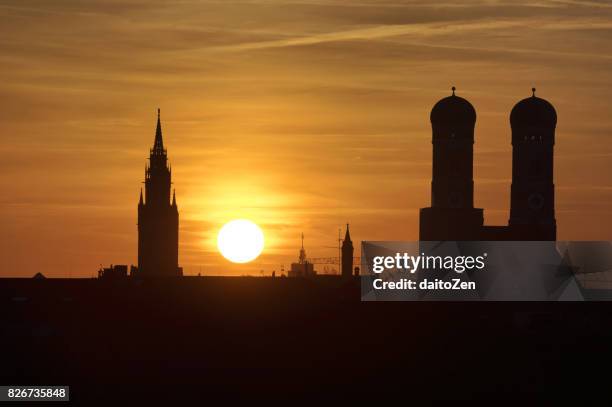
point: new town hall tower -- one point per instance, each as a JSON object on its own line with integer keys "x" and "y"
{"x": 158, "y": 216}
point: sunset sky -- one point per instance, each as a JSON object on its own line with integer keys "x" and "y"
{"x": 298, "y": 115}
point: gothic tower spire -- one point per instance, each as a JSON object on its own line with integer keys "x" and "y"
{"x": 347, "y": 236}
{"x": 158, "y": 145}
{"x": 158, "y": 216}
{"x": 347, "y": 254}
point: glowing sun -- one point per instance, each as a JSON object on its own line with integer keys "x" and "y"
{"x": 240, "y": 241}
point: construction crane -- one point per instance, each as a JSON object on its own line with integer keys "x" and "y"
{"x": 326, "y": 260}
{"x": 331, "y": 260}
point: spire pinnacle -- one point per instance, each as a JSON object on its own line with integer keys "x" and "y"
{"x": 453, "y": 89}
{"x": 347, "y": 236}
{"x": 533, "y": 90}
{"x": 141, "y": 202}
{"x": 158, "y": 145}
{"x": 174, "y": 197}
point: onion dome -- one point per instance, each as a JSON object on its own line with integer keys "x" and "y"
{"x": 453, "y": 110}
{"x": 533, "y": 112}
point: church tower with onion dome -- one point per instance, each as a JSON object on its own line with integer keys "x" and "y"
{"x": 158, "y": 216}
{"x": 452, "y": 215}
{"x": 532, "y": 204}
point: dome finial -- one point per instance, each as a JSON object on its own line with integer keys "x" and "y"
{"x": 533, "y": 92}
{"x": 453, "y": 89}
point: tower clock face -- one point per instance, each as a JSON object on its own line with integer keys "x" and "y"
{"x": 535, "y": 201}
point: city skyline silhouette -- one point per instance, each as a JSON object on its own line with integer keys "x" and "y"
{"x": 309, "y": 133}
{"x": 299, "y": 123}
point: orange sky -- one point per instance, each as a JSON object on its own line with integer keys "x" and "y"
{"x": 300, "y": 115}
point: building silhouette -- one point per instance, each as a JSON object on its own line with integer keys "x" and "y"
{"x": 303, "y": 268}
{"x": 114, "y": 272}
{"x": 347, "y": 254}
{"x": 158, "y": 217}
{"x": 452, "y": 215}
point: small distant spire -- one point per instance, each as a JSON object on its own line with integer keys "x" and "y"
{"x": 347, "y": 236}
{"x": 141, "y": 202}
{"x": 533, "y": 92}
{"x": 302, "y": 258}
{"x": 453, "y": 88}
{"x": 174, "y": 197}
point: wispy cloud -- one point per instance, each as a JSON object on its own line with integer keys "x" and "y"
{"x": 379, "y": 32}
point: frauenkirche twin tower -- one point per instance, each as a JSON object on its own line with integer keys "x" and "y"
{"x": 452, "y": 215}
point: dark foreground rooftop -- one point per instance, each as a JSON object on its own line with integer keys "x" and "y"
{"x": 205, "y": 338}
